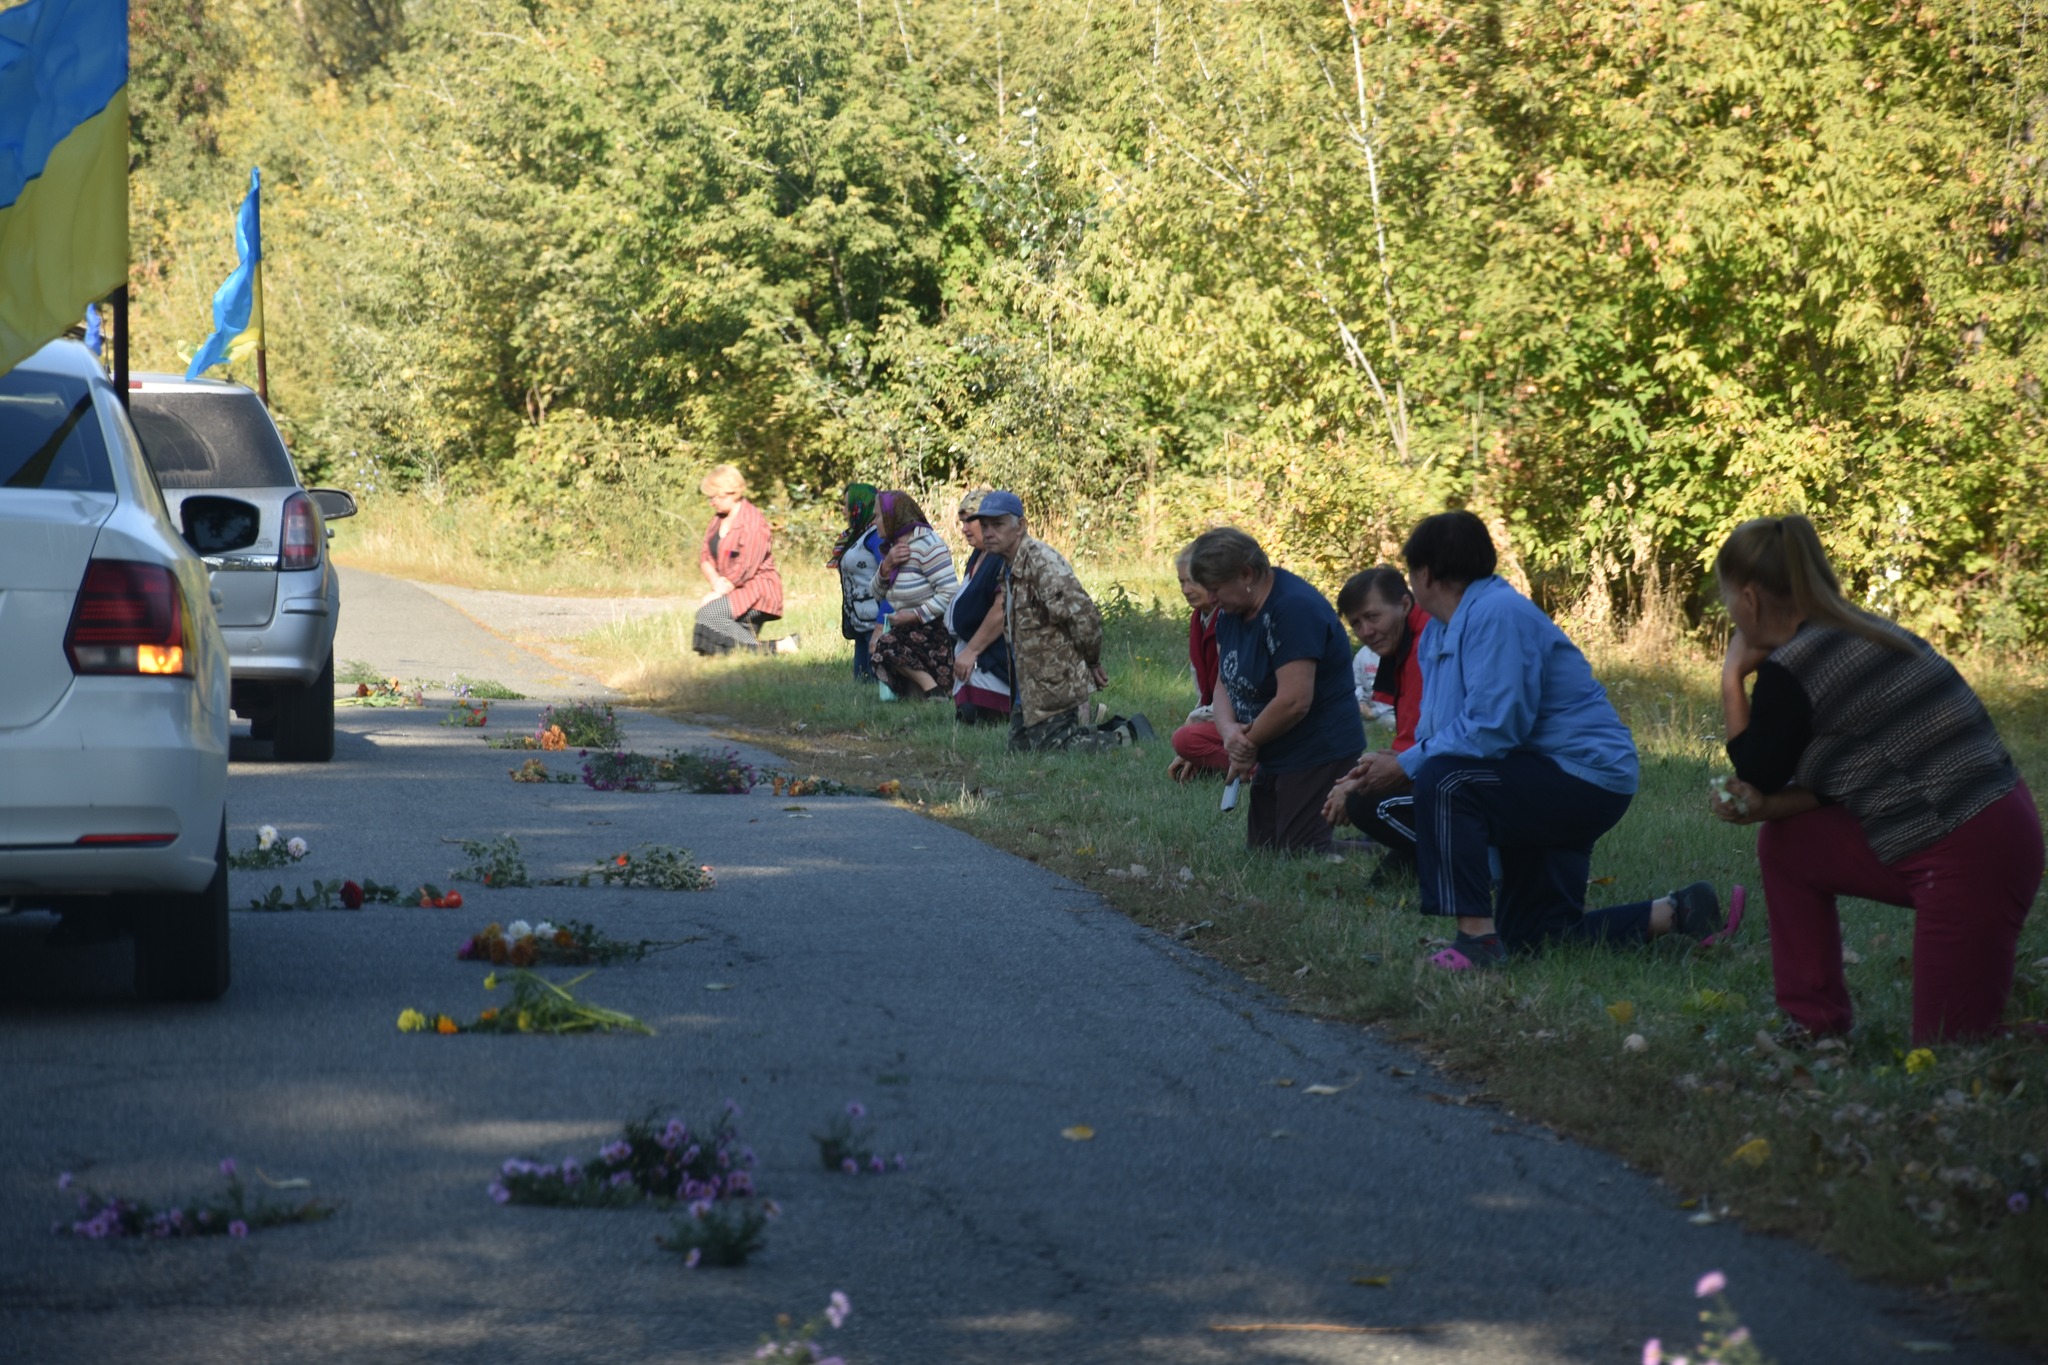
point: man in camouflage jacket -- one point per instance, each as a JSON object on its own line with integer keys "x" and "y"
{"x": 1055, "y": 635}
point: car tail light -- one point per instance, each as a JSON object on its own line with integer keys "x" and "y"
{"x": 129, "y": 618}
{"x": 300, "y": 543}
{"x": 126, "y": 840}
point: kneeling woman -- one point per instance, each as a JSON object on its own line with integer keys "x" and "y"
{"x": 912, "y": 650}
{"x": 1876, "y": 773}
{"x": 738, "y": 562}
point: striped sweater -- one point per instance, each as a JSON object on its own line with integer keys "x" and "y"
{"x": 1897, "y": 738}
{"x": 926, "y": 582}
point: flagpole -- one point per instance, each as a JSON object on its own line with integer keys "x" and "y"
{"x": 121, "y": 344}
{"x": 256, "y": 312}
{"x": 262, "y": 348}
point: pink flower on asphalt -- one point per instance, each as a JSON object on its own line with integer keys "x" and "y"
{"x": 838, "y": 1308}
{"x": 238, "y": 1228}
{"x": 500, "y": 1193}
{"x": 1711, "y": 1283}
{"x": 690, "y": 1261}
{"x": 856, "y": 1110}
{"x": 2016, "y": 1202}
{"x": 1653, "y": 1352}
{"x": 227, "y": 1167}
{"x": 850, "y": 1166}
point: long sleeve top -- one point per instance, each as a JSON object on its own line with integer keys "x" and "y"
{"x": 1501, "y": 678}
{"x": 926, "y": 582}
{"x": 1054, "y": 629}
{"x": 740, "y": 548}
{"x": 1202, "y": 655}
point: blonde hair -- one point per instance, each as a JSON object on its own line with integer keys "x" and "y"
{"x": 723, "y": 478}
{"x": 1783, "y": 556}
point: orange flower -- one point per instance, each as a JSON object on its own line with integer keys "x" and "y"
{"x": 446, "y": 1025}
{"x": 564, "y": 939}
{"x": 622, "y": 860}
{"x": 488, "y": 1014}
{"x": 523, "y": 954}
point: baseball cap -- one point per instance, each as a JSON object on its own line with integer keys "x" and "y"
{"x": 1000, "y": 504}
{"x": 970, "y": 503}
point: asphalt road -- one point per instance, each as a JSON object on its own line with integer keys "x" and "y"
{"x": 977, "y": 1004}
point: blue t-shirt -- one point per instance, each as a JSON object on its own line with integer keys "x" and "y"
{"x": 1296, "y": 622}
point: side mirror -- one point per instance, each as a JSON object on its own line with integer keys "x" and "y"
{"x": 217, "y": 526}
{"x": 332, "y": 502}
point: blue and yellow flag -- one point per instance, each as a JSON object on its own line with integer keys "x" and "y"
{"x": 63, "y": 166}
{"x": 238, "y": 303}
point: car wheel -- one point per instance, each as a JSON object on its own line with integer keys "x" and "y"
{"x": 304, "y": 725}
{"x": 181, "y": 941}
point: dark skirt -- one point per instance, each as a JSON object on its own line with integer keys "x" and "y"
{"x": 926, "y": 647}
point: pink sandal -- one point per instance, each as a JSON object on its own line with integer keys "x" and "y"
{"x": 1737, "y": 896}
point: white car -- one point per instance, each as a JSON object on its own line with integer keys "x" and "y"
{"x": 113, "y": 686}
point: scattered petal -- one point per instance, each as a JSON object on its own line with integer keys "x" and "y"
{"x": 1752, "y": 1153}
{"x": 1080, "y": 1132}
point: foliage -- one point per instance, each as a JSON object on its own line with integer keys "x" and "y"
{"x": 718, "y": 1234}
{"x": 790, "y": 1344}
{"x": 655, "y": 865}
{"x": 493, "y": 862}
{"x": 270, "y": 851}
{"x": 666, "y": 1162}
{"x": 229, "y": 1214}
{"x": 845, "y": 1145}
{"x": 687, "y": 770}
{"x": 583, "y": 725}
{"x": 1614, "y": 278}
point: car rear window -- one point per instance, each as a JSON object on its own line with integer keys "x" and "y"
{"x": 50, "y": 436}
{"x": 210, "y": 440}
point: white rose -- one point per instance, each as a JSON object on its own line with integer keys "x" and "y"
{"x": 518, "y": 929}
{"x": 1635, "y": 1042}
{"x": 543, "y": 930}
{"x": 297, "y": 848}
{"x": 266, "y": 836}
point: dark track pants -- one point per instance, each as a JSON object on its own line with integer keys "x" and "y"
{"x": 1544, "y": 822}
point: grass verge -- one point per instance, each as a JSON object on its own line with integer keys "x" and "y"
{"x": 1903, "y": 1165}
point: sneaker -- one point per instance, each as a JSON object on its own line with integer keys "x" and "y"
{"x": 789, "y": 644}
{"x": 1470, "y": 954}
{"x": 1696, "y": 910}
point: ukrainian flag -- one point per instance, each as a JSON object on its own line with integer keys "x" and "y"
{"x": 63, "y": 166}
{"x": 238, "y": 303}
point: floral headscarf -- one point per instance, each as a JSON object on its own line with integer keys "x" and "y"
{"x": 860, "y": 504}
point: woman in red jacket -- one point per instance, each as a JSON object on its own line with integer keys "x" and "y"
{"x": 739, "y": 563}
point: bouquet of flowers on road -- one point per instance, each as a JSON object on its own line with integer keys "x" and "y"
{"x": 229, "y": 1214}
{"x": 537, "y": 1006}
{"x": 270, "y": 851}
{"x": 572, "y": 943}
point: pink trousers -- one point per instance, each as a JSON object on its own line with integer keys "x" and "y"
{"x": 1970, "y": 893}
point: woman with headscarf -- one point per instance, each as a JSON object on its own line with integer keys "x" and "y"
{"x": 738, "y": 562}
{"x": 857, "y": 555}
{"x": 912, "y": 650}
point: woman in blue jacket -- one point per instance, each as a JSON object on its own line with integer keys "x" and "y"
{"x": 1518, "y": 749}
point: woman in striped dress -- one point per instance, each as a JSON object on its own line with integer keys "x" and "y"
{"x": 912, "y": 650}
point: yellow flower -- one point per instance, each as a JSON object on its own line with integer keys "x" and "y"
{"x": 446, "y": 1025}
{"x": 1918, "y": 1060}
{"x": 1754, "y": 1152}
{"x": 525, "y": 1022}
{"x": 411, "y": 1021}
{"x": 491, "y": 982}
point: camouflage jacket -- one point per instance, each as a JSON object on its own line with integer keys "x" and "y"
{"x": 1054, "y": 630}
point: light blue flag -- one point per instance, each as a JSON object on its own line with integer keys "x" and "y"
{"x": 235, "y": 302}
